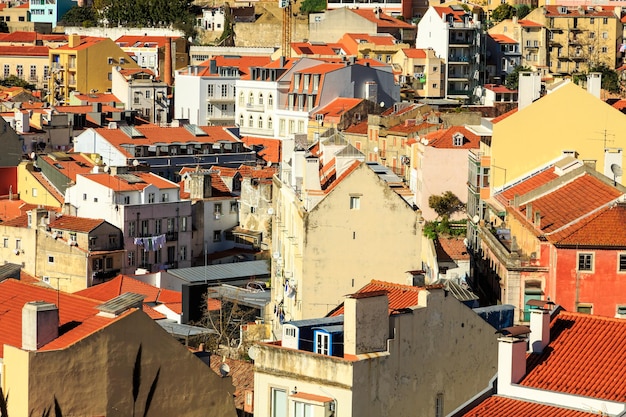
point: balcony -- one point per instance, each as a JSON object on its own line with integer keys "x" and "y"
{"x": 255, "y": 107}
{"x": 459, "y": 59}
{"x": 171, "y": 236}
{"x": 454, "y": 41}
{"x": 220, "y": 99}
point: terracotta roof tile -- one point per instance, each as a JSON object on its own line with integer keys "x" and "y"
{"x": 451, "y": 248}
{"x": 400, "y": 296}
{"x": 84, "y": 43}
{"x": 14, "y": 294}
{"x": 383, "y": 20}
{"x": 497, "y": 88}
{"x": 99, "y": 97}
{"x": 271, "y": 148}
{"x": 444, "y": 138}
{"x": 307, "y": 48}
{"x": 27, "y": 50}
{"x": 529, "y": 23}
{"x": 117, "y": 183}
{"x": 69, "y": 165}
{"x": 503, "y": 116}
{"x": 52, "y": 190}
{"x": 414, "y": 53}
{"x": 496, "y": 406}
{"x": 536, "y": 180}
{"x": 242, "y": 374}
{"x": 502, "y": 38}
{"x": 31, "y": 37}
{"x": 606, "y": 228}
{"x": 359, "y": 128}
{"x": 586, "y": 356}
{"x": 75, "y": 224}
{"x": 553, "y": 11}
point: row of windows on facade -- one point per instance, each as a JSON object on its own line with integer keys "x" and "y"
{"x": 19, "y": 71}
{"x": 172, "y": 224}
{"x": 282, "y": 124}
{"x": 146, "y": 259}
{"x": 260, "y": 99}
{"x": 125, "y": 199}
{"x": 592, "y": 20}
{"x": 8, "y": 18}
{"x": 586, "y": 262}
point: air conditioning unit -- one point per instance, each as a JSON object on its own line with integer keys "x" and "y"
{"x": 217, "y": 216}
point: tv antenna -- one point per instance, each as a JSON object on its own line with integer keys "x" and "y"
{"x": 605, "y": 138}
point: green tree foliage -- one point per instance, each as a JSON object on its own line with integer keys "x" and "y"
{"x": 512, "y": 79}
{"x": 79, "y": 16}
{"x": 610, "y": 77}
{"x": 147, "y": 13}
{"x": 445, "y": 204}
{"x": 4, "y": 28}
{"x": 312, "y": 6}
{"x": 503, "y": 11}
{"x": 15, "y": 81}
{"x": 522, "y": 10}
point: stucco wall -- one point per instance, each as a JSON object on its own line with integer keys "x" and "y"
{"x": 95, "y": 376}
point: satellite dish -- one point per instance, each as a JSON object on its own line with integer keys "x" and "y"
{"x": 33, "y": 155}
{"x": 382, "y": 104}
{"x": 616, "y": 170}
{"x": 476, "y": 219}
{"x": 276, "y": 255}
{"x": 107, "y": 169}
{"x": 375, "y": 149}
{"x": 224, "y": 369}
{"x": 270, "y": 211}
{"x": 269, "y": 164}
{"x": 253, "y": 352}
{"x": 465, "y": 242}
{"x": 135, "y": 162}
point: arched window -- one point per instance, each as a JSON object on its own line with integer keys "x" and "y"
{"x": 241, "y": 120}
{"x": 260, "y": 125}
{"x": 270, "y": 100}
{"x": 261, "y": 98}
{"x": 241, "y": 99}
{"x": 270, "y": 124}
{"x": 251, "y": 98}
{"x": 251, "y": 122}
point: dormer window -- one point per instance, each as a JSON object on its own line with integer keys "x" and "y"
{"x": 458, "y": 139}
{"x": 322, "y": 343}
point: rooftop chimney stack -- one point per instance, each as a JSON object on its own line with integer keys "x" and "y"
{"x": 40, "y": 324}
{"x": 73, "y": 40}
{"x": 594, "y": 84}
{"x": 511, "y": 362}
{"x": 312, "y": 173}
{"x": 366, "y": 323}
{"x": 539, "y": 330}
{"x": 529, "y": 88}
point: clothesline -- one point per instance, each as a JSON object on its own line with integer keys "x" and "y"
{"x": 150, "y": 243}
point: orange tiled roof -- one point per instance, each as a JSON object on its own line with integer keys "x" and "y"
{"x": 443, "y": 138}
{"x": 553, "y": 11}
{"x": 586, "y": 356}
{"x": 377, "y": 39}
{"x": 128, "y": 41}
{"x": 337, "y": 107}
{"x": 31, "y": 37}
{"x": 529, "y": 23}
{"x": 619, "y": 104}
{"x": 496, "y": 406}
{"x": 75, "y": 224}
{"x": 452, "y": 248}
{"x": 458, "y": 15}
{"x": 414, "y": 53}
{"x": 570, "y": 202}
{"x": 242, "y": 374}
{"x": 75, "y": 163}
{"x": 383, "y": 20}
{"x": 117, "y": 183}
{"x": 10, "y": 209}
{"x": 271, "y": 148}
{"x": 52, "y": 190}
{"x": 359, "y": 128}
{"x": 307, "y": 48}
{"x": 87, "y": 108}
{"x": 243, "y": 63}
{"x": 526, "y": 186}
{"x": 27, "y": 50}
{"x": 123, "y": 284}
{"x": 400, "y": 296}
{"x": 99, "y": 97}
{"x": 503, "y": 116}
{"x": 84, "y": 43}
{"x": 497, "y": 88}
{"x": 604, "y": 228}
{"x": 502, "y": 38}
{"x": 72, "y": 309}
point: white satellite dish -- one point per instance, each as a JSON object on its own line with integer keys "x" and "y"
{"x": 107, "y": 169}
{"x": 253, "y": 352}
{"x": 375, "y": 149}
{"x": 276, "y": 255}
{"x": 270, "y": 211}
{"x": 135, "y": 162}
{"x": 616, "y": 170}
{"x": 33, "y": 155}
{"x": 476, "y": 219}
{"x": 224, "y": 369}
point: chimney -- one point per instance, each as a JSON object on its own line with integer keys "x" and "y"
{"x": 529, "y": 211}
{"x": 282, "y": 61}
{"x": 40, "y": 324}
{"x": 511, "y": 361}
{"x": 312, "y": 173}
{"x": 528, "y": 89}
{"x": 539, "y": 330}
{"x": 96, "y": 107}
{"x": 366, "y": 323}
{"x": 167, "y": 70}
{"x": 594, "y": 84}
{"x": 73, "y": 40}
{"x": 213, "y": 66}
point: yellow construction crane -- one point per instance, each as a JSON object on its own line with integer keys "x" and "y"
{"x": 287, "y": 16}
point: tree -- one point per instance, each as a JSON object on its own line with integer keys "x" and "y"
{"x": 503, "y": 11}
{"x": 512, "y": 79}
{"x": 445, "y": 204}
{"x": 4, "y": 28}
{"x": 521, "y": 10}
{"x": 610, "y": 77}
{"x": 79, "y": 16}
{"x": 312, "y": 6}
{"x": 15, "y": 81}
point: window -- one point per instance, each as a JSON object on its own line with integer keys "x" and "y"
{"x": 151, "y": 198}
{"x": 110, "y": 60}
{"x": 355, "y": 202}
{"x": 458, "y": 140}
{"x": 136, "y": 97}
{"x": 131, "y": 228}
{"x": 605, "y": 21}
{"x": 322, "y": 343}
{"x": 170, "y": 224}
{"x": 157, "y": 226}
{"x": 112, "y": 240}
{"x": 233, "y": 208}
{"x": 300, "y": 126}
{"x": 592, "y": 35}
{"x": 217, "y": 208}
{"x": 261, "y": 98}
{"x": 251, "y": 98}
{"x": 434, "y": 85}
{"x": 260, "y": 123}
{"x": 209, "y": 109}
{"x": 270, "y": 100}
{"x": 251, "y": 121}
{"x": 131, "y": 258}
{"x": 278, "y": 405}
{"x": 73, "y": 236}
{"x": 126, "y": 199}
{"x": 183, "y": 224}
{"x": 6, "y": 242}
{"x": 210, "y": 90}
{"x": 605, "y": 49}
{"x": 585, "y": 261}
{"x": 96, "y": 264}
{"x": 7, "y": 70}
{"x": 34, "y": 192}
{"x": 50, "y": 259}
{"x": 584, "y": 308}
{"x": 217, "y": 236}
{"x": 439, "y": 405}
{"x": 33, "y": 72}
{"x": 148, "y": 96}
{"x": 303, "y": 409}
{"x": 224, "y": 90}
{"x": 20, "y": 70}
{"x": 165, "y": 198}
{"x": 605, "y": 35}
{"x": 592, "y": 20}
{"x": 270, "y": 124}
{"x": 241, "y": 99}
{"x": 621, "y": 262}
{"x": 18, "y": 244}
{"x": 183, "y": 253}
{"x": 621, "y": 311}
{"x": 292, "y": 126}
{"x": 241, "y": 120}
{"x": 144, "y": 228}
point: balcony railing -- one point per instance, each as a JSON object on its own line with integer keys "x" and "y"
{"x": 171, "y": 236}
{"x": 255, "y": 107}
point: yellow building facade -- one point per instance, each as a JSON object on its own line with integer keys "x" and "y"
{"x": 31, "y": 189}
{"x": 567, "y": 121}
{"x": 85, "y": 64}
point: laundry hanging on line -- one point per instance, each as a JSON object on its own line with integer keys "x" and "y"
{"x": 150, "y": 243}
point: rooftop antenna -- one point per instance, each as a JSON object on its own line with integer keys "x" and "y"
{"x": 605, "y": 133}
